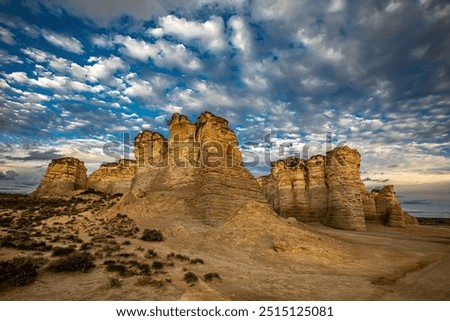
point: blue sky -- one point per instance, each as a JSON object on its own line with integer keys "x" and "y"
{"x": 76, "y": 75}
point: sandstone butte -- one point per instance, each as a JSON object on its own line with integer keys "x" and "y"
{"x": 62, "y": 176}
{"x": 328, "y": 189}
{"x": 197, "y": 173}
{"x": 113, "y": 178}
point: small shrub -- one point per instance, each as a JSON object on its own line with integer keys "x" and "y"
{"x": 151, "y": 254}
{"x": 197, "y": 261}
{"x": 77, "y": 261}
{"x": 182, "y": 257}
{"x": 190, "y": 277}
{"x": 115, "y": 282}
{"x": 86, "y": 246}
{"x": 18, "y": 271}
{"x": 148, "y": 280}
{"x": 6, "y": 221}
{"x": 126, "y": 242}
{"x": 143, "y": 267}
{"x": 110, "y": 249}
{"x": 209, "y": 277}
{"x": 121, "y": 269}
{"x": 157, "y": 265}
{"x": 126, "y": 254}
{"x": 74, "y": 239}
{"x": 61, "y": 251}
{"x": 144, "y": 280}
{"x": 152, "y": 236}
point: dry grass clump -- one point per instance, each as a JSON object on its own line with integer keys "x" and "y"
{"x": 18, "y": 271}
{"x": 190, "y": 277}
{"x": 152, "y": 235}
{"x": 77, "y": 261}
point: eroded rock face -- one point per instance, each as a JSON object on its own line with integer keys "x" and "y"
{"x": 388, "y": 208}
{"x": 200, "y": 173}
{"x": 289, "y": 194}
{"x": 345, "y": 189}
{"x": 63, "y": 175}
{"x": 113, "y": 178}
{"x": 317, "y": 188}
{"x": 328, "y": 189}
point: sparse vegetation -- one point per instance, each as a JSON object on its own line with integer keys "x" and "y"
{"x": 121, "y": 269}
{"x": 77, "y": 261}
{"x": 18, "y": 271}
{"x": 190, "y": 277}
{"x": 152, "y": 235}
{"x": 179, "y": 257}
{"x": 157, "y": 265}
{"x": 151, "y": 254}
{"x": 148, "y": 280}
{"x": 61, "y": 251}
{"x": 197, "y": 261}
{"x": 22, "y": 241}
{"x": 86, "y": 246}
{"x": 115, "y": 282}
{"x": 209, "y": 277}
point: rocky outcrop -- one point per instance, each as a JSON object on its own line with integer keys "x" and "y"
{"x": 197, "y": 172}
{"x": 328, "y": 189}
{"x": 317, "y": 188}
{"x": 388, "y": 209}
{"x": 345, "y": 189}
{"x": 113, "y": 178}
{"x": 288, "y": 193}
{"x": 63, "y": 176}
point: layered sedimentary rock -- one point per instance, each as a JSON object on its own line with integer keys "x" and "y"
{"x": 114, "y": 177}
{"x": 317, "y": 188}
{"x": 388, "y": 209}
{"x": 289, "y": 195}
{"x": 63, "y": 175}
{"x": 197, "y": 172}
{"x": 328, "y": 189}
{"x": 345, "y": 189}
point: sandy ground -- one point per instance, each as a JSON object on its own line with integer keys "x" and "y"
{"x": 264, "y": 258}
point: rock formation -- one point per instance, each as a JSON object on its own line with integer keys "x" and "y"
{"x": 197, "y": 172}
{"x": 63, "y": 175}
{"x": 329, "y": 189}
{"x": 388, "y": 209}
{"x": 113, "y": 178}
{"x": 345, "y": 189}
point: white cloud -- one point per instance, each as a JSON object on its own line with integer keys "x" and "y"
{"x": 101, "y": 41}
{"x": 163, "y": 53}
{"x": 6, "y": 36}
{"x": 393, "y": 6}
{"x": 276, "y": 9}
{"x": 137, "y": 49}
{"x": 17, "y": 76}
{"x": 213, "y": 94}
{"x": 336, "y": 5}
{"x": 139, "y": 88}
{"x": 6, "y": 58}
{"x": 240, "y": 37}
{"x": 36, "y": 54}
{"x": 64, "y": 42}
{"x": 209, "y": 33}
{"x": 103, "y": 69}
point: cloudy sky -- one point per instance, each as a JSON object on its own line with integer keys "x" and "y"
{"x": 81, "y": 78}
